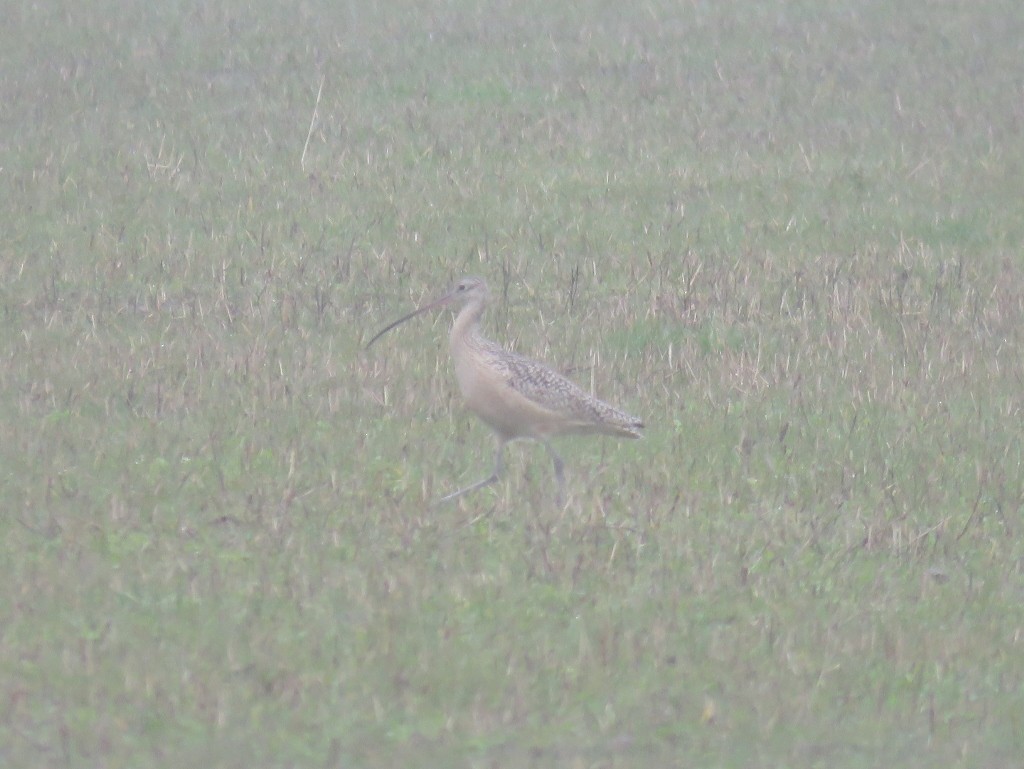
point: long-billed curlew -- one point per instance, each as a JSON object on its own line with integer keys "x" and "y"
{"x": 517, "y": 397}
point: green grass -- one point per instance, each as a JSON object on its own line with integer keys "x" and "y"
{"x": 787, "y": 235}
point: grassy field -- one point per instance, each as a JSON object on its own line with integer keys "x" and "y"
{"x": 786, "y": 234}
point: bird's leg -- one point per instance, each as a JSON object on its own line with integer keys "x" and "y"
{"x": 492, "y": 478}
{"x": 559, "y": 472}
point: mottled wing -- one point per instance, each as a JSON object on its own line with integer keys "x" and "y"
{"x": 553, "y": 391}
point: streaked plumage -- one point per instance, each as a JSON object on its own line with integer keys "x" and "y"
{"x": 516, "y": 396}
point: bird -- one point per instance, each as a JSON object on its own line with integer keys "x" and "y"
{"x": 518, "y": 398}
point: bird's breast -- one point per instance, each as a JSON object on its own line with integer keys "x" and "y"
{"x": 488, "y": 395}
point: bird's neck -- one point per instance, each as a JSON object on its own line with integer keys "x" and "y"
{"x": 467, "y": 325}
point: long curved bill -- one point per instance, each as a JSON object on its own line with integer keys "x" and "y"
{"x": 418, "y": 311}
